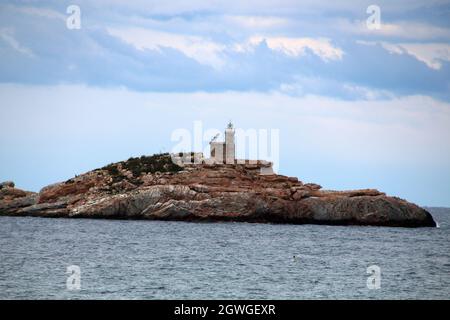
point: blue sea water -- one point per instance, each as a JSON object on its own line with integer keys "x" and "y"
{"x": 180, "y": 260}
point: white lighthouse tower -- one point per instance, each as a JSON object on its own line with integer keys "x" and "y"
{"x": 224, "y": 152}
{"x": 230, "y": 148}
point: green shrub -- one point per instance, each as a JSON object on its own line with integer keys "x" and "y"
{"x": 112, "y": 169}
{"x": 144, "y": 164}
{"x": 151, "y": 164}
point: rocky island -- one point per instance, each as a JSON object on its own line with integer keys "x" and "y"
{"x": 155, "y": 187}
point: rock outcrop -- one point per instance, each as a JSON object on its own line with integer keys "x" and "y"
{"x": 156, "y": 188}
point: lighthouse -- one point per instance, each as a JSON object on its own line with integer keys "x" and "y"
{"x": 224, "y": 152}
{"x": 230, "y": 148}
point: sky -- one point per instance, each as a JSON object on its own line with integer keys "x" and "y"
{"x": 355, "y": 106}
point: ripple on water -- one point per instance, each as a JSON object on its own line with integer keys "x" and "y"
{"x": 163, "y": 260}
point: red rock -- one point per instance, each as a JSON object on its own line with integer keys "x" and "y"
{"x": 210, "y": 192}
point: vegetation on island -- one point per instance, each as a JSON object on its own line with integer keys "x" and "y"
{"x": 145, "y": 164}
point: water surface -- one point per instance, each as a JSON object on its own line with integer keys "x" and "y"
{"x": 180, "y": 260}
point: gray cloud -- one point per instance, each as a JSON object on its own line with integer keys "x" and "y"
{"x": 192, "y": 48}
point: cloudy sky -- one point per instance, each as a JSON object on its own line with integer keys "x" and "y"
{"x": 356, "y": 107}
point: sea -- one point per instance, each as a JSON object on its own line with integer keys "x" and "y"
{"x": 48, "y": 258}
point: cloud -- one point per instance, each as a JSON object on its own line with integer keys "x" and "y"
{"x": 242, "y": 49}
{"x": 398, "y": 29}
{"x": 7, "y": 35}
{"x": 305, "y": 86}
{"x": 295, "y": 47}
{"x": 203, "y": 51}
{"x": 262, "y": 7}
{"x": 432, "y": 54}
{"x": 257, "y": 22}
{"x": 41, "y": 12}
{"x": 214, "y": 53}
